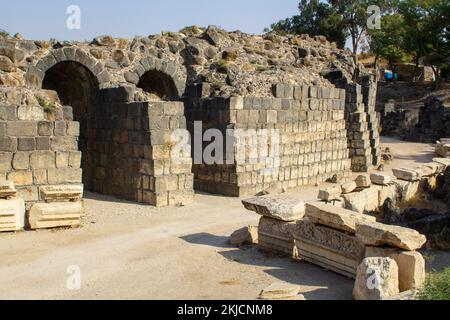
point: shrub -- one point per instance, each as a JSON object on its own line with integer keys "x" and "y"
{"x": 437, "y": 287}
{"x": 48, "y": 106}
{"x": 3, "y": 33}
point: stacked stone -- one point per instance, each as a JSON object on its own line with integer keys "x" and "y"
{"x": 306, "y": 123}
{"x": 131, "y": 156}
{"x": 369, "y": 91}
{"x": 358, "y": 133}
{"x": 276, "y": 226}
{"x": 12, "y": 210}
{"x": 38, "y": 149}
{"x": 62, "y": 207}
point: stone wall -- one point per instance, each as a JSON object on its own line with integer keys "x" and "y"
{"x": 310, "y": 124}
{"x": 38, "y": 149}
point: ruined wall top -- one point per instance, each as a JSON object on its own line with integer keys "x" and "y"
{"x": 231, "y": 63}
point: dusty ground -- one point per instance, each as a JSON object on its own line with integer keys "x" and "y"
{"x": 129, "y": 251}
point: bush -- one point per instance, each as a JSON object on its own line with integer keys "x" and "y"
{"x": 437, "y": 287}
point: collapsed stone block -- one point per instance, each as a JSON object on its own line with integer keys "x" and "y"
{"x": 61, "y": 193}
{"x": 281, "y": 291}
{"x": 406, "y": 174}
{"x": 244, "y": 236}
{"x": 380, "y": 179}
{"x": 363, "y": 181}
{"x": 54, "y": 215}
{"x": 443, "y": 148}
{"x": 411, "y": 265}
{"x": 284, "y": 209}
{"x": 7, "y": 189}
{"x": 276, "y": 236}
{"x": 376, "y": 279}
{"x": 348, "y": 187}
{"x": 336, "y": 217}
{"x": 12, "y": 215}
{"x": 330, "y": 194}
{"x": 378, "y": 234}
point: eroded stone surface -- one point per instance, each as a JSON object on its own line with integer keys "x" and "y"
{"x": 378, "y": 234}
{"x": 54, "y": 215}
{"x": 12, "y": 215}
{"x": 281, "y": 291}
{"x": 336, "y": 217}
{"x": 376, "y": 279}
{"x": 284, "y": 209}
{"x": 60, "y": 193}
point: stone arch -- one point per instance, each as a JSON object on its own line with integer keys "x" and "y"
{"x": 35, "y": 74}
{"x": 156, "y": 70}
{"x": 78, "y": 87}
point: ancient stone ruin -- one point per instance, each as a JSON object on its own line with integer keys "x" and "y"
{"x": 101, "y": 116}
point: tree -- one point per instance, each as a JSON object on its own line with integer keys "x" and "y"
{"x": 315, "y": 18}
{"x": 427, "y": 24}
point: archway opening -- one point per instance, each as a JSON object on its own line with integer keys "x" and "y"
{"x": 77, "y": 87}
{"x": 160, "y": 84}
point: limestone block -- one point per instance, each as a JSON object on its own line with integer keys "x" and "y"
{"x": 443, "y": 161}
{"x": 348, "y": 187}
{"x": 380, "y": 179}
{"x": 12, "y": 215}
{"x": 407, "y": 189}
{"x": 335, "y": 217}
{"x": 378, "y": 234}
{"x": 443, "y": 149}
{"x": 281, "y": 291}
{"x": 61, "y": 193}
{"x": 7, "y": 189}
{"x": 329, "y": 194}
{"x": 406, "y": 174}
{"x": 276, "y": 236}
{"x": 363, "y": 181}
{"x": 329, "y": 248}
{"x": 244, "y": 236}
{"x": 411, "y": 265}
{"x": 284, "y": 209}
{"x": 376, "y": 279}
{"x": 54, "y": 215}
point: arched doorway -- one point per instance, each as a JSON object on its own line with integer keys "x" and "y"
{"x": 160, "y": 84}
{"x": 77, "y": 87}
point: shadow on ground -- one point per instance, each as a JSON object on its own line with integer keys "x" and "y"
{"x": 325, "y": 285}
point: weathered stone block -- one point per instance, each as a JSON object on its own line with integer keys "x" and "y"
{"x": 61, "y": 193}
{"x": 329, "y": 194}
{"x": 284, "y": 209}
{"x": 62, "y": 176}
{"x": 21, "y": 161}
{"x": 5, "y": 161}
{"x": 21, "y": 177}
{"x": 376, "y": 279}
{"x": 335, "y": 217}
{"x": 22, "y": 128}
{"x": 12, "y": 215}
{"x": 380, "y": 179}
{"x": 26, "y": 144}
{"x": 276, "y": 235}
{"x": 54, "y": 215}
{"x": 378, "y": 234}
{"x": 42, "y": 159}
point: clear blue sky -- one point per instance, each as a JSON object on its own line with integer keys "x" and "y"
{"x": 45, "y": 19}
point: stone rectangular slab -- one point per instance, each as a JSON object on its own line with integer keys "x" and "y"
{"x": 329, "y": 248}
{"x": 335, "y": 217}
{"x": 7, "y": 189}
{"x": 411, "y": 265}
{"x": 348, "y": 187}
{"x": 54, "y": 215}
{"x": 378, "y": 234}
{"x": 443, "y": 161}
{"x": 12, "y": 215}
{"x": 61, "y": 193}
{"x": 380, "y": 179}
{"x": 284, "y": 209}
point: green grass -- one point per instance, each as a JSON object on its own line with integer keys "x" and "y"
{"x": 48, "y": 106}
{"x": 437, "y": 287}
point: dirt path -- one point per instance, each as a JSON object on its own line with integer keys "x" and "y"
{"x": 129, "y": 251}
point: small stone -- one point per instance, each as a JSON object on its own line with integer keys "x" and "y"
{"x": 244, "y": 236}
{"x": 348, "y": 187}
{"x": 281, "y": 291}
{"x": 376, "y": 279}
{"x": 330, "y": 194}
{"x": 363, "y": 181}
